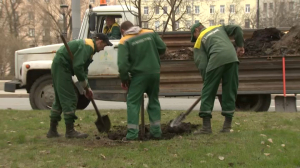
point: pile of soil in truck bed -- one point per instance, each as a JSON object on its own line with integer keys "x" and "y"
{"x": 181, "y": 54}
{"x": 261, "y": 42}
{"x": 118, "y": 132}
{"x": 291, "y": 40}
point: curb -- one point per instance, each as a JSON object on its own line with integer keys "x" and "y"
{"x": 14, "y": 95}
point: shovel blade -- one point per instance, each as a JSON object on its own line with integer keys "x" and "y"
{"x": 177, "y": 121}
{"x": 290, "y": 104}
{"x": 103, "y": 126}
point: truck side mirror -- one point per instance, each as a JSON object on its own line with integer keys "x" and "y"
{"x": 92, "y": 21}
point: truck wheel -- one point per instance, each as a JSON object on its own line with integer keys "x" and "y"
{"x": 257, "y": 103}
{"x": 42, "y": 95}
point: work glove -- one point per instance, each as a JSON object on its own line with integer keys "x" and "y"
{"x": 89, "y": 93}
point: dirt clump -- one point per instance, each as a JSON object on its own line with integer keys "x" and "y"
{"x": 261, "y": 42}
{"x": 291, "y": 40}
{"x": 181, "y": 54}
{"x": 167, "y": 132}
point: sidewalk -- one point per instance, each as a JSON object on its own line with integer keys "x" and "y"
{"x": 20, "y": 93}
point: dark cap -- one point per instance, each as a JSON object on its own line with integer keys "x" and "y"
{"x": 193, "y": 39}
{"x": 104, "y": 38}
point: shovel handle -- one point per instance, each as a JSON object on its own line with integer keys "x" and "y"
{"x": 193, "y": 106}
{"x": 96, "y": 108}
{"x": 283, "y": 52}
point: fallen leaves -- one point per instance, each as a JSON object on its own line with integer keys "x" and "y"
{"x": 262, "y": 142}
{"x": 103, "y": 156}
{"x": 145, "y": 165}
{"x": 210, "y": 154}
{"x": 267, "y": 154}
{"x": 270, "y": 140}
{"x": 221, "y": 158}
{"x": 263, "y": 135}
{"x": 44, "y": 152}
{"x": 145, "y": 149}
{"x": 283, "y": 145}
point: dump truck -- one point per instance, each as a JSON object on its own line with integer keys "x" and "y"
{"x": 259, "y": 77}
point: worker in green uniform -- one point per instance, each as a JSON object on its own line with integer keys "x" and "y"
{"x": 138, "y": 54}
{"x": 62, "y": 70}
{"x": 112, "y": 29}
{"x": 217, "y": 59}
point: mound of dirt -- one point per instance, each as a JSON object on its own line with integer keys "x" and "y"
{"x": 261, "y": 42}
{"x": 181, "y": 54}
{"x": 291, "y": 40}
{"x": 167, "y": 132}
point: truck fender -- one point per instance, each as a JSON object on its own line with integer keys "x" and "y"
{"x": 44, "y": 65}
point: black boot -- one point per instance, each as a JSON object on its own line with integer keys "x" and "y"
{"x": 71, "y": 133}
{"x": 52, "y": 133}
{"x": 206, "y": 128}
{"x": 227, "y": 125}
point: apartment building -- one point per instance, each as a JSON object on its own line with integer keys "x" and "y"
{"x": 279, "y": 13}
{"x": 209, "y": 12}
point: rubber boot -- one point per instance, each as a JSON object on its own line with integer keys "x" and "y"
{"x": 52, "y": 133}
{"x": 71, "y": 133}
{"x": 206, "y": 128}
{"x": 227, "y": 125}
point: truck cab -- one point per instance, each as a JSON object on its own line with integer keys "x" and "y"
{"x": 33, "y": 65}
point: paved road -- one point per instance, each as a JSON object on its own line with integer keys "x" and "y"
{"x": 166, "y": 104}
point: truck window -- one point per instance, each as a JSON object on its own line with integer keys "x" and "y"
{"x": 101, "y": 23}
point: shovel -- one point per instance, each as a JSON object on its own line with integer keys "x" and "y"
{"x": 284, "y": 103}
{"x": 102, "y": 123}
{"x": 177, "y": 121}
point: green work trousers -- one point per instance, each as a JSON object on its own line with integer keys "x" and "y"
{"x": 140, "y": 84}
{"x": 230, "y": 81}
{"x": 65, "y": 95}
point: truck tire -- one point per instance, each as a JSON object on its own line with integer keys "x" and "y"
{"x": 42, "y": 95}
{"x": 257, "y": 103}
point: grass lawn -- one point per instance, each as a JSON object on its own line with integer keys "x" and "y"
{"x": 258, "y": 140}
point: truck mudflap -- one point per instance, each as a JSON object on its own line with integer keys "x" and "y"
{"x": 12, "y": 85}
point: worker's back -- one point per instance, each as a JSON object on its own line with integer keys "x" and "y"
{"x": 217, "y": 45}
{"x": 142, "y": 47}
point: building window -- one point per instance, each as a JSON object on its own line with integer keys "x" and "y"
{"x": 291, "y": 6}
{"x": 177, "y": 10}
{"x": 271, "y": 5}
{"x": 211, "y": 22}
{"x": 188, "y": 24}
{"x": 164, "y": 24}
{"x": 188, "y": 9}
{"x": 30, "y": 16}
{"x": 270, "y": 22}
{"x": 212, "y": 9}
{"x": 157, "y": 10}
{"x": 196, "y": 21}
{"x": 13, "y": 1}
{"x": 231, "y": 22}
{"x": 145, "y": 24}
{"x": 146, "y": 10}
{"x": 31, "y": 32}
{"x": 92, "y": 1}
{"x": 232, "y": 9}
{"x": 47, "y": 1}
{"x": 265, "y": 7}
{"x": 197, "y": 9}
{"x": 156, "y": 25}
{"x": 247, "y": 10}
{"x": 222, "y": 21}
{"x": 177, "y": 25}
{"x": 165, "y": 9}
{"x": 247, "y": 23}
{"x": 222, "y": 8}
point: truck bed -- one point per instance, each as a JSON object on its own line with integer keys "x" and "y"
{"x": 257, "y": 75}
